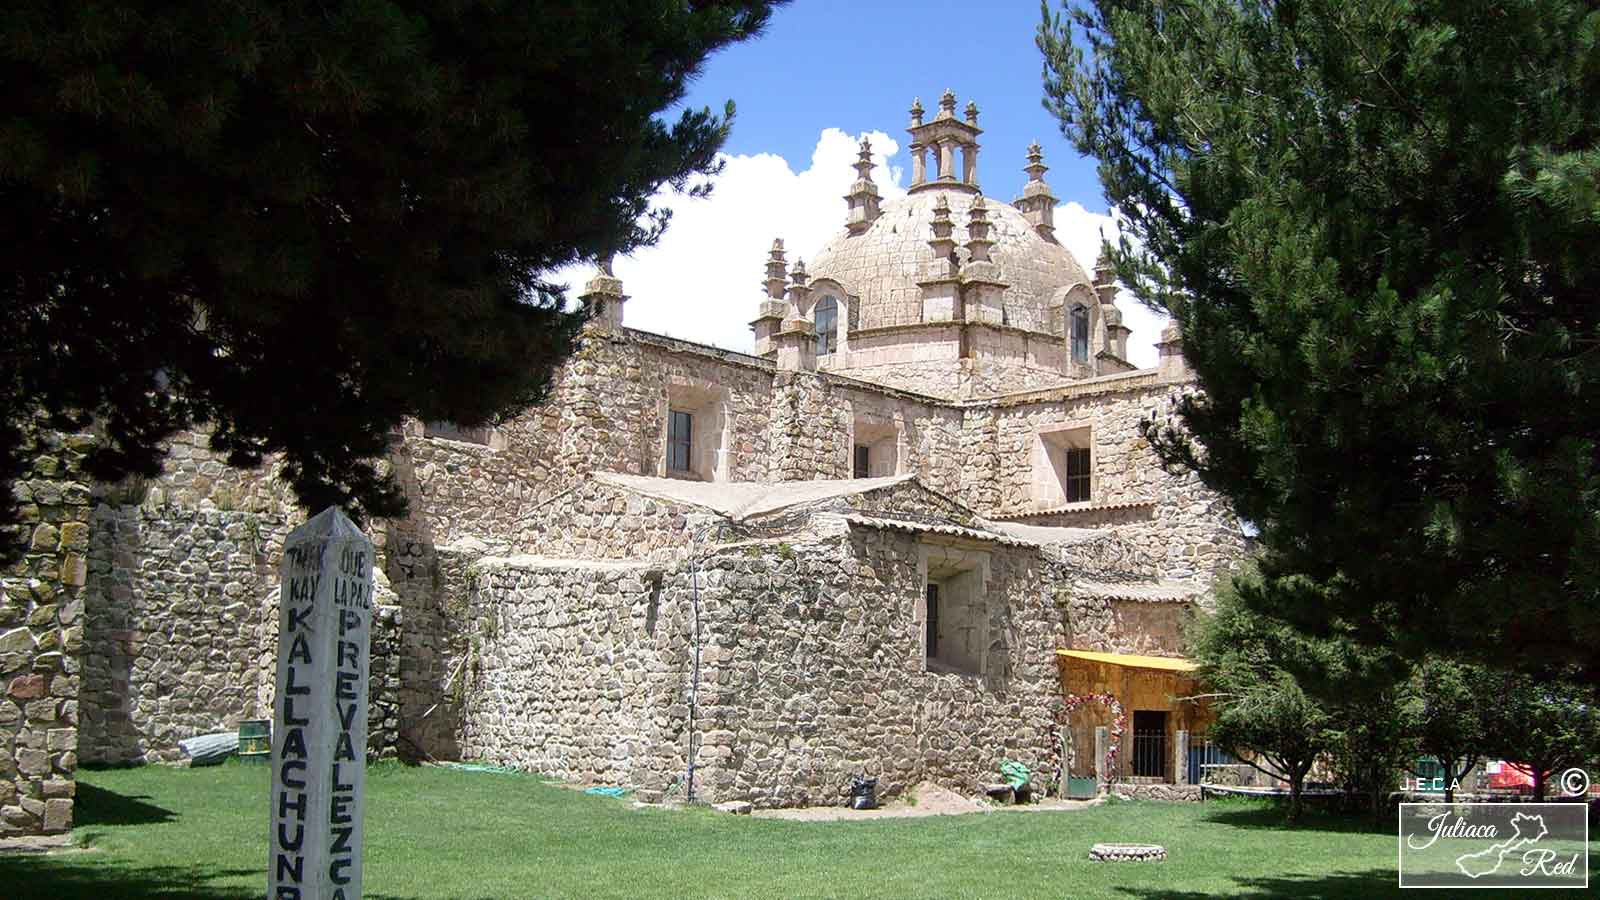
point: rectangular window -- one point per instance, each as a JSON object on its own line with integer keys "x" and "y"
{"x": 863, "y": 468}
{"x": 680, "y": 436}
{"x": 933, "y": 620}
{"x": 450, "y": 431}
{"x": 1080, "y": 333}
{"x": 1076, "y": 484}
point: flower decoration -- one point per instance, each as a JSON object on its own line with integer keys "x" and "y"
{"x": 1119, "y": 723}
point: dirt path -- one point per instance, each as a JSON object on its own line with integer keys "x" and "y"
{"x": 930, "y": 800}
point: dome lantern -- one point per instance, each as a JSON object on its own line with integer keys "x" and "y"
{"x": 945, "y": 136}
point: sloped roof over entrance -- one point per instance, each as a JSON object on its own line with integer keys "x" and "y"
{"x": 739, "y": 500}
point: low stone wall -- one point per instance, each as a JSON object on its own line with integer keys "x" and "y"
{"x": 1170, "y": 793}
{"x": 41, "y": 633}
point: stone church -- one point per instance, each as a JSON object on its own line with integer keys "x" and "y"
{"x": 885, "y": 542}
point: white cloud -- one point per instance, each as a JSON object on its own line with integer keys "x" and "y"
{"x": 1082, "y": 232}
{"x": 702, "y": 282}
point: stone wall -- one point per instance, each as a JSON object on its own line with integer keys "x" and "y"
{"x": 812, "y": 668}
{"x": 180, "y": 632}
{"x": 41, "y": 635}
{"x": 1166, "y": 793}
{"x": 577, "y": 670}
{"x": 819, "y": 668}
{"x": 598, "y": 521}
{"x": 1140, "y": 627}
{"x": 608, "y": 413}
{"x": 177, "y": 627}
{"x": 432, "y": 586}
{"x": 175, "y": 640}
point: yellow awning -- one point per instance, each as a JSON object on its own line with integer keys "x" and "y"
{"x": 1164, "y": 663}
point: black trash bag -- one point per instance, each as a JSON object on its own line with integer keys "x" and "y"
{"x": 863, "y": 792}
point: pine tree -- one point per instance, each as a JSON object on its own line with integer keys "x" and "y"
{"x": 1374, "y": 223}
{"x": 299, "y": 223}
{"x": 1264, "y": 717}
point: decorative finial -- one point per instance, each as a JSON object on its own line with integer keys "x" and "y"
{"x": 863, "y": 164}
{"x": 916, "y": 111}
{"x": 972, "y": 112}
{"x": 941, "y": 208}
{"x": 978, "y": 242}
{"x": 798, "y": 273}
{"x": 605, "y": 265}
{"x": 1035, "y": 167}
{"x": 777, "y": 272}
{"x": 947, "y": 104}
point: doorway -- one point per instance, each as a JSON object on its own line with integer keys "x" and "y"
{"x": 1149, "y": 743}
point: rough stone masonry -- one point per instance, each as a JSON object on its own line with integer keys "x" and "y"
{"x": 935, "y": 337}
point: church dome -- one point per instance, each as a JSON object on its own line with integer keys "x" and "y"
{"x": 883, "y": 264}
{"x": 944, "y": 291}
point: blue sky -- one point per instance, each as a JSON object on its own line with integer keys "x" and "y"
{"x": 824, "y": 74}
{"x": 857, "y": 66}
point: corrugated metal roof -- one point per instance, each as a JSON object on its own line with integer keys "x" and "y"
{"x": 1133, "y": 661}
{"x": 974, "y": 534}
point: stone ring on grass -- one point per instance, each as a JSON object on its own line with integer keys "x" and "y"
{"x": 1127, "y": 853}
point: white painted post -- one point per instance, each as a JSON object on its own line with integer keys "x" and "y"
{"x": 1102, "y": 737}
{"x": 319, "y": 736}
{"x": 1180, "y": 758}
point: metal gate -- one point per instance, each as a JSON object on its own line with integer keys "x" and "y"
{"x": 1205, "y": 758}
{"x": 1149, "y": 744}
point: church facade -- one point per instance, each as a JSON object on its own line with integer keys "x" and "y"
{"x": 857, "y": 549}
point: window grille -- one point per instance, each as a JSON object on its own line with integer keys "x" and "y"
{"x": 1077, "y": 481}
{"x": 680, "y": 437}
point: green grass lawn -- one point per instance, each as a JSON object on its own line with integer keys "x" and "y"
{"x": 202, "y": 833}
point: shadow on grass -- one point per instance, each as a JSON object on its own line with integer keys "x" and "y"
{"x": 1276, "y": 818}
{"x": 78, "y": 876}
{"x": 1364, "y": 885}
{"x": 98, "y": 806}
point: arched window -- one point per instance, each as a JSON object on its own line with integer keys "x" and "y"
{"x": 1080, "y": 333}
{"x": 827, "y": 319}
